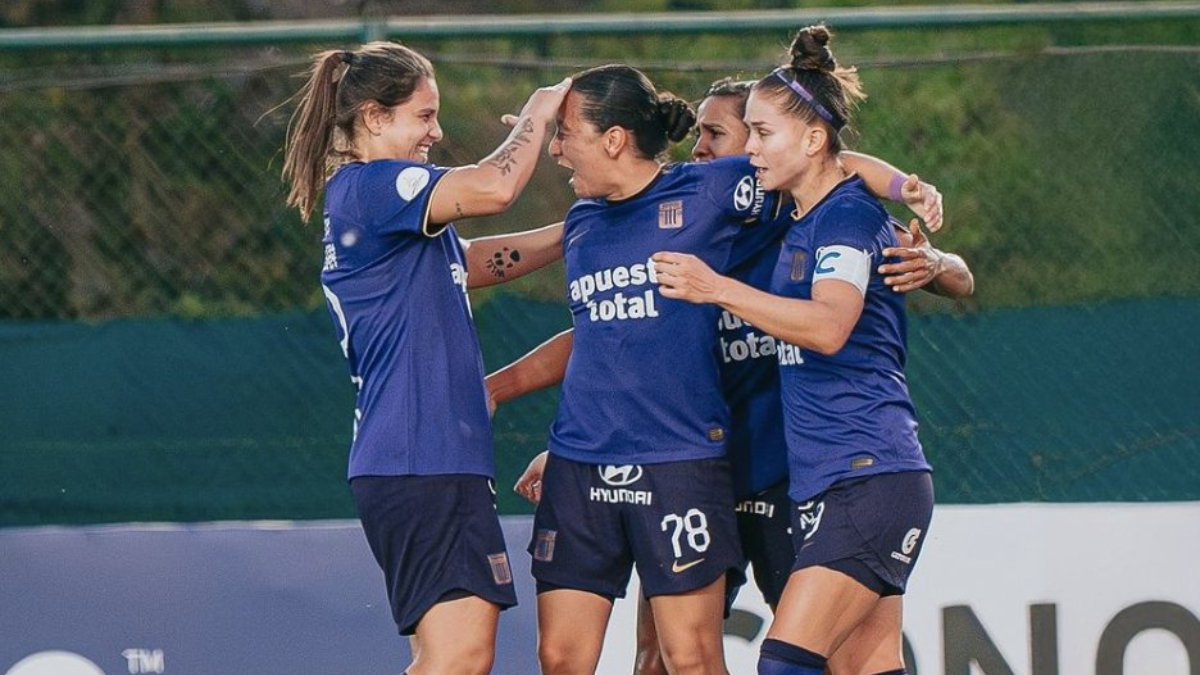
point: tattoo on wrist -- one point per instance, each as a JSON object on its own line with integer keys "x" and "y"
{"x": 502, "y": 261}
{"x": 506, "y": 159}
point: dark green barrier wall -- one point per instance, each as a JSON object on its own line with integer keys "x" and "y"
{"x": 247, "y": 419}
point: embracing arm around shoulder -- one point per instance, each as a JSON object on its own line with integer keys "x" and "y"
{"x": 920, "y": 265}
{"x": 887, "y": 182}
{"x": 953, "y": 278}
{"x": 822, "y": 324}
{"x": 492, "y": 185}
{"x": 504, "y": 257}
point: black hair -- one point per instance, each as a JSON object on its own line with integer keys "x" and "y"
{"x": 727, "y": 87}
{"x": 621, "y": 96}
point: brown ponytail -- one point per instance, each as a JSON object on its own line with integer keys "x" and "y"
{"x": 310, "y": 133}
{"x": 320, "y": 135}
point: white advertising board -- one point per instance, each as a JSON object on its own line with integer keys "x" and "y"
{"x": 1017, "y": 589}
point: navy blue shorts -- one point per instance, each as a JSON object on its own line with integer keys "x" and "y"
{"x": 765, "y": 529}
{"x": 869, "y": 528}
{"x": 436, "y": 538}
{"x": 675, "y": 521}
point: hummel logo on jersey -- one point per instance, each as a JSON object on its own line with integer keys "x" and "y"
{"x": 677, "y": 568}
{"x": 620, "y": 476}
{"x": 574, "y": 238}
{"x": 670, "y": 215}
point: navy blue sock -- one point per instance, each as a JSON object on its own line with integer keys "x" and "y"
{"x": 780, "y": 658}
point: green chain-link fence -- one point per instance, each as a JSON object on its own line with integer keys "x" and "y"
{"x": 166, "y": 355}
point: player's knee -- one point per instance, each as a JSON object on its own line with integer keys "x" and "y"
{"x": 558, "y": 658}
{"x": 696, "y": 658}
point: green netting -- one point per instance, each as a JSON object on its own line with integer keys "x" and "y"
{"x": 250, "y": 418}
{"x": 165, "y": 355}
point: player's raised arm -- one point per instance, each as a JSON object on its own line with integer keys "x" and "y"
{"x": 492, "y": 185}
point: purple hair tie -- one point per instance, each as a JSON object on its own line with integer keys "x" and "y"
{"x": 808, "y": 98}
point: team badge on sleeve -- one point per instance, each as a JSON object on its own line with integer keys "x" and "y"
{"x": 844, "y": 264}
{"x": 411, "y": 181}
{"x": 798, "y": 259}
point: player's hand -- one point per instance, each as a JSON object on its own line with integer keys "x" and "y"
{"x": 683, "y": 276}
{"x": 919, "y": 262}
{"x": 924, "y": 200}
{"x": 529, "y": 485}
{"x": 544, "y": 103}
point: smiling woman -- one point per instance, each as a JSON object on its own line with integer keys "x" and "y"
{"x": 395, "y": 277}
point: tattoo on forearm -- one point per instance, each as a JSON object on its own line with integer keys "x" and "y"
{"x": 506, "y": 159}
{"x": 503, "y": 260}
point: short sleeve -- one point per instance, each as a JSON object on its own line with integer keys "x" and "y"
{"x": 732, "y": 187}
{"x": 394, "y": 196}
{"x": 846, "y": 239}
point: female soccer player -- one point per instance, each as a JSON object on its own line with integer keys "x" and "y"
{"x": 395, "y": 276}
{"x": 637, "y": 472}
{"x": 749, "y": 370}
{"x": 860, "y": 482}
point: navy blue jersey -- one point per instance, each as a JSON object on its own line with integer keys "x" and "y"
{"x": 642, "y": 385}
{"x": 848, "y": 414}
{"x": 750, "y": 378}
{"x": 396, "y": 286}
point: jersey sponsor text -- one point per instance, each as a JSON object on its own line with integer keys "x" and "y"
{"x": 621, "y": 496}
{"x": 756, "y": 507}
{"x": 736, "y": 347}
{"x": 620, "y": 306}
{"x": 789, "y": 355}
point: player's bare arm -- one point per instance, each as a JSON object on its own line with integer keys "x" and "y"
{"x": 504, "y": 257}
{"x": 822, "y": 324}
{"x": 887, "y": 182}
{"x": 922, "y": 265}
{"x": 492, "y": 185}
{"x": 544, "y": 366}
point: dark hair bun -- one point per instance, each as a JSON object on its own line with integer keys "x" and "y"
{"x": 810, "y": 50}
{"x": 677, "y": 117}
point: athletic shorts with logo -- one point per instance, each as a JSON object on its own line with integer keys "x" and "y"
{"x": 436, "y": 538}
{"x": 674, "y": 520}
{"x": 765, "y": 530}
{"x": 869, "y": 528}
